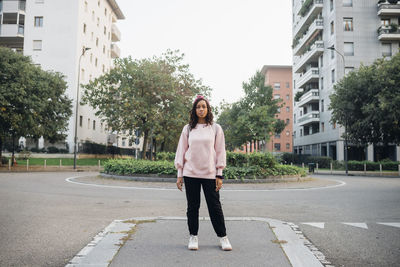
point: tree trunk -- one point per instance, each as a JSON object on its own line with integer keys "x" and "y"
{"x": 162, "y": 145}
{"x": 155, "y": 149}
{"x": 13, "y": 149}
{"x": 144, "y": 147}
{"x": 1, "y": 150}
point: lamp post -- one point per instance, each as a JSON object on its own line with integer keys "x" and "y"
{"x": 345, "y": 123}
{"x": 77, "y": 104}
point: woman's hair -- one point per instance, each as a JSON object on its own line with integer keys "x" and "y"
{"x": 193, "y": 116}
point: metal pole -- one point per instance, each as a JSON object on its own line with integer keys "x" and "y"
{"x": 76, "y": 106}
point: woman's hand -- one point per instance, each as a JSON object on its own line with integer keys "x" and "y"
{"x": 218, "y": 184}
{"x": 179, "y": 183}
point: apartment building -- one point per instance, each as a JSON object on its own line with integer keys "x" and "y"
{"x": 280, "y": 79}
{"x": 323, "y": 32}
{"x": 55, "y": 33}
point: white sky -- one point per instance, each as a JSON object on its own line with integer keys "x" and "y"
{"x": 224, "y": 41}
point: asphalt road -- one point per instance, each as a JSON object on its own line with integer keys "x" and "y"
{"x": 45, "y": 221}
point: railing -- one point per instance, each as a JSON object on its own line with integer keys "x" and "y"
{"x": 309, "y": 94}
{"x": 316, "y": 5}
{"x": 307, "y": 6}
{"x": 308, "y": 116}
{"x": 116, "y": 34}
{"x": 388, "y": 6}
{"x": 391, "y": 29}
{"x": 304, "y": 58}
{"x": 307, "y": 76}
{"x": 319, "y": 22}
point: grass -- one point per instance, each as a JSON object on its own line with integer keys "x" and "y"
{"x": 65, "y": 162}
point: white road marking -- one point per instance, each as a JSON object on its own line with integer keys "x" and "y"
{"x": 390, "y": 224}
{"x": 70, "y": 180}
{"x": 359, "y": 225}
{"x": 319, "y": 225}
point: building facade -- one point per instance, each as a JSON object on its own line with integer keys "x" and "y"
{"x": 280, "y": 79}
{"x": 330, "y": 39}
{"x": 55, "y": 34}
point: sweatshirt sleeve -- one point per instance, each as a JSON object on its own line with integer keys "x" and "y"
{"x": 220, "y": 150}
{"x": 181, "y": 150}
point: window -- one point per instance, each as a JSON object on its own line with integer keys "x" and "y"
{"x": 101, "y": 127}
{"x": 294, "y": 118}
{"x": 387, "y": 49}
{"x": 38, "y": 21}
{"x": 322, "y": 60}
{"x": 91, "y": 36}
{"x": 277, "y": 86}
{"x": 331, "y": 4}
{"x": 301, "y": 132}
{"x": 287, "y": 133}
{"x": 94, "y": 125}
{"x": 104, "y": 49}
{"x": 103, "y": 68}
{"x": 279, "y": 111}
{"x": 287, "y": 97}
{"x": 322, "y": 83}
{"x": 84, "y": 28}
{"x": 80, "y": 121}
{"x": 348, "y": 24}
{"x": 277, "y": 146}
{"x": 287, "y": 109}
{"x": 322, "y": 105}
{"x": 90, "y": 77}
{"x": 92, "y": 15}
{"x": 294, "y": 134}
{"x": 348, "y": 49}
{"x": 95, "y": 62}
{"x": 287, "y": 146}
{"x": 105, "y": 30}
{"x": 85, "y": 6}
{"x": 98, "y": 3}
{"x": 277, "y": 96}
{"x": 91, "y": 57}
{"x": 333, "y": 76}
{"x": 123, "y": 141}
{"x": 97, "y": 41}
{"x": 347, "y": 70}
{"x": 287, "y": 121}
{"x": 332, "y": 28}
{"x": 385, "y": 22}
{"x": 287, "y": 84}
{"x": 37, "y": 45}
{"x": 98, "y": 21}
{"x": 348, "y": 3}
{"x": 301, "y": 113}
{"x": 88, "y": 123}
{"x": 333, "y": 54}
{"x": 105, "y": 12}
{"x": 322, "y": 127}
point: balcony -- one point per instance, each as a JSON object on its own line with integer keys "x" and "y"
{"x": 309, "y": 11}
{"x": 387, "y": 9}
{"x": 389, "y": 33}
{"x": 311, "y": 96}
{"x": 12, "y": 30}
{"x": 309, "y": 118}
{"x": 115, "y": 33}
{"x": 13, "y": 6}
{"x": 312, "y": 75}
{"x": 315, "y": 28}
{"x": 115, "y": 51}
{"x": 311, "y": 55}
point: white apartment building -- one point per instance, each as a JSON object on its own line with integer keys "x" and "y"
{"x": 55, "y": 33}
{"x": 361, "y": 31}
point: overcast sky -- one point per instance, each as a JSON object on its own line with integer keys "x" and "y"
{"x": 224, "y": 41}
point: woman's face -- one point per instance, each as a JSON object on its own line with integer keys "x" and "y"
{"x": 201, "y": 109}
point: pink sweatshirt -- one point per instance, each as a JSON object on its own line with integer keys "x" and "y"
{"x": 204, "y": 155}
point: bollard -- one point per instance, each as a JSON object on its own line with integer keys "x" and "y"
{"x": 27, "y": 164}
{"x": 317, "y": 168}
{"x": 365, "y": 169}
{"x": 45, "y": 163}
{"x": 302, "y": 165}
{"x": 380, "y": 169}
{"x": 60, "y": 163}
{"x": 291, "y": 163}
{"x": 9, "y": 165}
{"x": 99, "y": 165}
{"x": 331, "y": 168}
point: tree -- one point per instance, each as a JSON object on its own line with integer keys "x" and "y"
{"x": 367, "y": 102}
{"x": 152, "y": 95}
{"x": 253, "y": 116}
{"x": 32, "y": 101}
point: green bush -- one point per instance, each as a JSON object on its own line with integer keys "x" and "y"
{"x": 263, "y": 160}
{"x": 236, "y": 159}
{"x": 52, "y": 149}
{"x": 168, "y": 156}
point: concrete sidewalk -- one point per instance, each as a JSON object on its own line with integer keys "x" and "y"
{"x": 162, "y": 241}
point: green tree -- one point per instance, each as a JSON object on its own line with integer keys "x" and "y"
{"x": 32, "y": 101}
{"x": 152, "y": 95}
{"x": 367, "y": 103}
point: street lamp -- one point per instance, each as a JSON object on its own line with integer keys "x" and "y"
{"x": 77, "y": 104}
{"x": 345, "y": 123}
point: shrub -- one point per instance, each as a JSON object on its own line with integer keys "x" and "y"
{"x": 53, "y": 150}
{"x": 4, "y": 160}
{"x": 263, "y": 160}
{"x": 236, "y": 159}
{"x": 168, "y": 156}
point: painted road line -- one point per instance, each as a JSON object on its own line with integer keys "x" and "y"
{"x": 390, "y": 224}
{"x": 359, "y": 225}
{"x": 315, "y": 224}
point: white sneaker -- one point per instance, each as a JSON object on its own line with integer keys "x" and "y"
{"x": 193, "y": 242}
{"x": 225, "y": 244}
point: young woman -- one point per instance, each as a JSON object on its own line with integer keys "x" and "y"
{"x": 200, "y": 159}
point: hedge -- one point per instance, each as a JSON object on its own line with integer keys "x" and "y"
{"x": 132, "y": 166}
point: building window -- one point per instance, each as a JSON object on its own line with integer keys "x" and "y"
{"x": 88, "y": 123}
{"x": 277, "y": 86}
{"x": 287, "y": 97}
{"x": 287, "y": 84}
{"x": 348, "y": 49}
{"x": 385, "y": 22}
{"x": 322, "y": 83}
{"x": 322, "y": 127}
{"x": 332, "y": 28}
{"x": 98, "y": 21}
{"x": 332, "y": 54}
{"x": 98, "y": 3}
{"x": 104, "y": 49}
{"x": 287, "y": 121}
{"x": 86, "y": 6}
{"x": 294, "y": 118}
{"x": 322, "y": 105}
{"x": 80, "y": 121}
{"x": 301, "y": 132}
{"x": 287, "y": 146}
{"x": 277, "y": 96}
{"x": 287, "y": 109}
{"x": 91, "y": 57}
{"x": 84, "y": 28}
{"x": 387, "y": 49}
{"x": 37, "y": 45}
{"x": 277, "y": 146}
{"x": 294, "y": 134}
{"x": 331, "y": 4}
{"x": 103, "y": 68}
{"x": 105, "y": 12}
{"x": 38, "y": 21}
{"x": 333, "y": 76}
{"x": 105, "y": 30}
{"x": 101, "y": 127}
{"x": 278, "y": 111}
{"x": 91, "y": 36}
{"x": 321, "y": 61}
{"x": 347, "y": 70}
{"x": 287, "y": 133}
{"x": 92, "y": 15}
{"x": 95, "y": 62}
{"x": 348, "y": 3}
{"x": 348, "y": 24}
{"x": 97, "y": 41}
{"x": 94, "y": 125}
